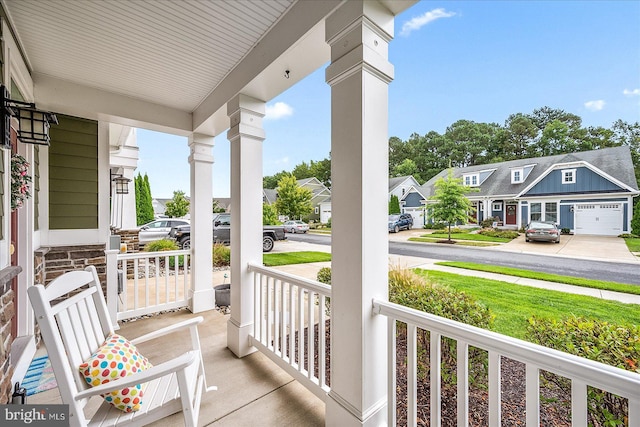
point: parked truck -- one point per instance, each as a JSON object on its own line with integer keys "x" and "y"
{"x": 222, "y": 233}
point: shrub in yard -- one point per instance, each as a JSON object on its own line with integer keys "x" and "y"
{"x": 628, "y": 236}
{"x": 615, "y": 345}
{"x": 488, "y": 223}
{"x": 436, "y": 226}
{"x": 506, "y": 234}
{"x": 221, "y": 255}
{"x": 161, "y": 245}
{"x": 324, "y": 275}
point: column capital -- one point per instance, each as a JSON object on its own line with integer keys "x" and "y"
{"x": 245, "y": 118}
{"x": 359, "y": 34}
{"x": 201, "y": 147}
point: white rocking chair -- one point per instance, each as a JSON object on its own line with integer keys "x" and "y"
{"x": 76, "y": 327}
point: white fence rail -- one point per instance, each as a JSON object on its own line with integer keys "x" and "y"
{"x": 149, "y": 282}
{"x": 582, "y": 372}
{"x": 291, "y": 316}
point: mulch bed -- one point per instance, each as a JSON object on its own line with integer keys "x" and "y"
{"x": 555, "y": 405}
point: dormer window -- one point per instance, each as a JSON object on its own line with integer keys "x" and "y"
{"x": 517, "y": 176}
{"x": 568, "y": 176}
{"x": 471, "y": 180}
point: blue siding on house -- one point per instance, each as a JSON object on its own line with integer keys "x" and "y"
{"x": 527, "y": 171}
{"x": 566, "y": 217}
{"x": 412, "y": 200}
{"x": 525, "y": 214}
{"x": 587, "y": 181}
{"x": 625, "y": 217}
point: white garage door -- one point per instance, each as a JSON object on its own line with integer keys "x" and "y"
{"x": 603, "y": 219}
{"x": 418, "y": 216}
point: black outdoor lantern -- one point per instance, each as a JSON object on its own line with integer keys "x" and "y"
{"x": 122, "y": 184}
{"x": 34, "y": 124}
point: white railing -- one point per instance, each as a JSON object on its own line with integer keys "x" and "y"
{"x": 290, "y": 325}
{"x": 582, "y": 372}
{"x": 149, "y": 282}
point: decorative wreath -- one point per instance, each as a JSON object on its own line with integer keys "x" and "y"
{"x": 20, "y": 180}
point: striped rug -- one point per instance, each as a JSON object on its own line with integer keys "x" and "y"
{"x": 39, "y": 376}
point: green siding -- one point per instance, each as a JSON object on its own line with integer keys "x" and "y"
{"x": 36, "y": 187}
{"x": 73, "y": 174}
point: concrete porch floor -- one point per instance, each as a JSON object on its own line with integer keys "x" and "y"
{"x": 251, "y": 391}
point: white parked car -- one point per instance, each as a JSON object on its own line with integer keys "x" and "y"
{"x": 157, "y": 230}
{"x": 296, "y": 226}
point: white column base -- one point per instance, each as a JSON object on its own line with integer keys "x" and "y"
{"x": 238, "y": 338}
{"x": 340, "y": 413}
{"x": 202, "y": 300}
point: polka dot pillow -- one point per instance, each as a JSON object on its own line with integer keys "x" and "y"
{"x": 115, "y": 359}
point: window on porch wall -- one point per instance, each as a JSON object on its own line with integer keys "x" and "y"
{"x": 536, "y": 211}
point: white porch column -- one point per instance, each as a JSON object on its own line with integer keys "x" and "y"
{"x": 201, "y": 163}
{"x": 359, "y": 75}
{"x": 245, "y": 135}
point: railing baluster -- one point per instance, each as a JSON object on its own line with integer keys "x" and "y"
{"x": 322, "y": 352}
{"x": 269, "y": 342}
{"x": 292, "y": 325}
{"x": 283, "y": 320}
{"x": 301, "y": 341}
{"x": 311, "y": 342}
{"x": 276, "y": 317}
{"x": 578, "y": 403}
{"x": 436, "y": 378}
{"x": 135, "y": 284}
{"x": 391, "y": 371}
{"x": 462, "y": 353}
{"x": 412, "y": 376}
{"x": 533, "y": 395}
{"x": 123, "y": 302}
{"x": 494, "y": 389}
{"x": 634, "y": 411}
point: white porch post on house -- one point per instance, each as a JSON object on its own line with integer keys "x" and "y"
{"x": 359, "y": 75}
{"x": 201, "y": 293}
{"x": 245, "y": 135}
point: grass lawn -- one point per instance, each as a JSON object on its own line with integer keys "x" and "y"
{"x": 514, "y": 304}
{"x": 468, "y": 236}
{"x": 457, "y": 242}
{"x": 576, "y": 281}
{"x": 633, "y": 244}
{"x": 286, "y": 258}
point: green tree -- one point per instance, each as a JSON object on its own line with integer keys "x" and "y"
{"x": 144, "y": 206}
{"x": 322, "y": 170}
{"x": 216, "y": 207}
{"x": 394, "y": 205}
{"x": 178, "y": 206}
{"x": 269, "y": 214}
{"x": 635, "y": 221}
{"x": 271, "y": 182}
{"x": 451, "y": 203}
{"x": 406, "y": 168}
{"x": 293, "y": 200}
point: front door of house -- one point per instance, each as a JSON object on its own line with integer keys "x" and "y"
{"x": 511, "y": 215}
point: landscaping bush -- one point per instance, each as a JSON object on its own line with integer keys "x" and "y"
{"x": 161, "y": 245}
{"x": 615, "y": 345}
{"x": 324, "y": 275}
{"x": 488, "y": 222}
{"x": 436, "y": 226}
{"x": 221, "y": 255}
{"x": 492, "y": 232}
{"x": 628, "y": 236}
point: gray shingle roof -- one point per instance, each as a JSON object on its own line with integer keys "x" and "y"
{"x": 615, "y": 161}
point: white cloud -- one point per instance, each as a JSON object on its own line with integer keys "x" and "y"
{"x": 634, "y": 92}
{"x": 594, "y": 105}
{"x": 420, "y": 21}
{"x": 278, "y": 111}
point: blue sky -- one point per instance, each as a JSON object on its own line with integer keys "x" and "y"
{"x": 473, "y": 60}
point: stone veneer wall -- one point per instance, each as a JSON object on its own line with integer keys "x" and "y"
{"x": 61, "y": 259}
{"x": 130, "y": 238}
{"x": 7, "y": 312}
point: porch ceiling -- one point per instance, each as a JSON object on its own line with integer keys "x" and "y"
{"x": 171, "y": 53}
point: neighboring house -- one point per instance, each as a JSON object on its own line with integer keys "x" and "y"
{"x": 411, "y": 197}
{"x": 589, "y": 192}
{"x": 320, "y": 198}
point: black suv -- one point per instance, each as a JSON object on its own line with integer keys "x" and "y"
{"x": 400, "y": 222}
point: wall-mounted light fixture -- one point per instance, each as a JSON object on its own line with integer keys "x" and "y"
{"x": 34, "y": 124}
{"x": 122, "y": 184}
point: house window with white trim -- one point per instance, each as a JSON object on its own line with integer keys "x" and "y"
{"x": 471, "y": 180}
{"x": 568, "y": 176}
{"x": 517, "y": 176}
{"x": 536, "y": 211}
{"x": 551, "y": 212}
{"x": 497, "y": 207}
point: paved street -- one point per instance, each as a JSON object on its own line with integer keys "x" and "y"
{"x": 575, "y": 261}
